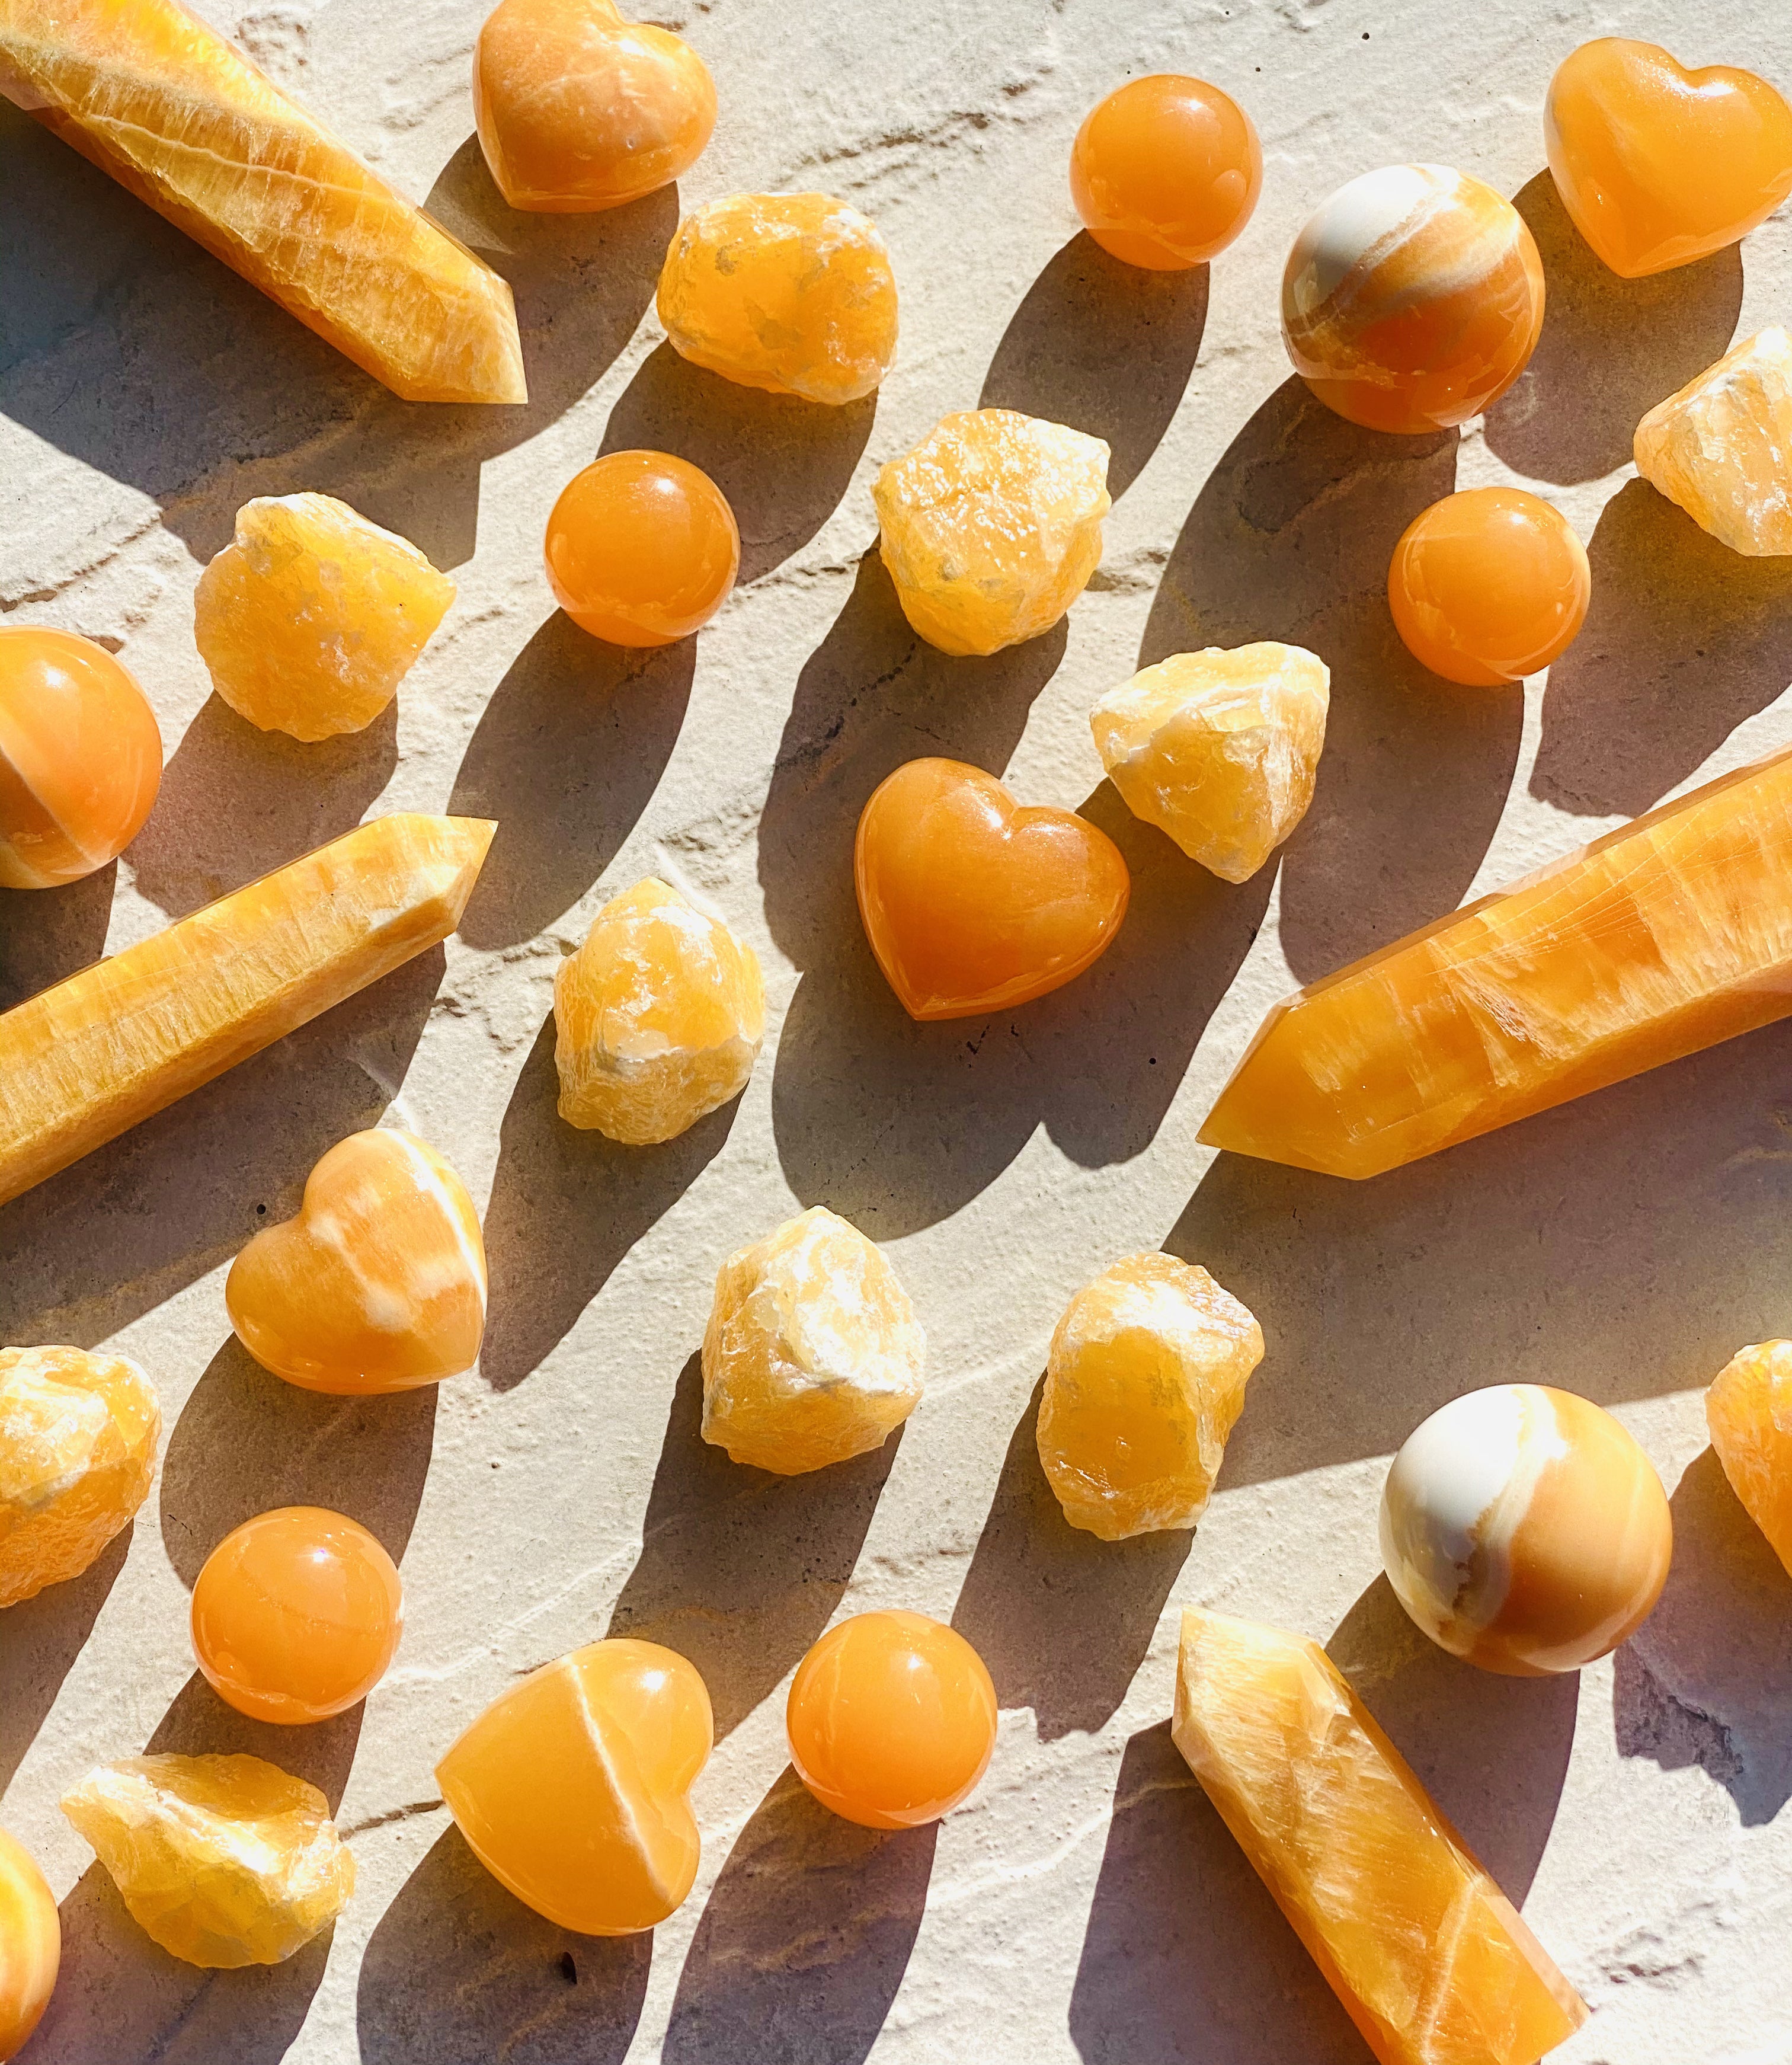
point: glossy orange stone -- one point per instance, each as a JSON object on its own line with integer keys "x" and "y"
{"x": 642, "y": 548}
{"x": 1658, "y": 166}
{"x": 30, "y": 1946}
{"x": 1488, "y": 585}
{"x": 1166, "y": 171}
{"x": 892, "y": 1720}
{"x": 972, "y": 902}
{"x": 297, "y": 1614}
{"x": 80, "y": 758}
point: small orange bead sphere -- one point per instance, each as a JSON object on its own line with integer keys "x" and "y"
{"x": 892, "y": 1720}
{"x": 297, "y": 1614}
{"x": 642, "y": 549}
{"x": 1166, "y": 171}
{"x": 1489, "y": 585}
{"x": 80, "y": 758}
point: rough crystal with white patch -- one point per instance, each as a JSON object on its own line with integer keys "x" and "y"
{"x": 1722, "y": 446}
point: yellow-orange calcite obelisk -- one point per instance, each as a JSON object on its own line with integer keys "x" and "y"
{"x": 1665, "y": 936}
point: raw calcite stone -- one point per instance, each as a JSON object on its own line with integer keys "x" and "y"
{"x": 224, "y": 1860}
{"x": 1749, "y": 1410}
{"x": 1429, "y": 1959}
{"x": 1664, "y": 937}
{"x": 1218, "y": 748}
{"x": 1722, "y": 446}
{"x": 813, "y": 1352}
{"x": 308, "y": 621}
{"x": 991, "y": 527}
{"x": 658, "y": 1017}
{"x": 791, "y": 292}
{"x": 30, "y": 1944}
{"x": 1145, "y": 1380}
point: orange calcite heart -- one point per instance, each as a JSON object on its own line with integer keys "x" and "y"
{"x": 379, "y": 1284}
{"x": 30, "y": 1944}
{"x": 974, "y": 902}
{"x": 1657, "y": 165}
{"x": 1749, "y": 1411}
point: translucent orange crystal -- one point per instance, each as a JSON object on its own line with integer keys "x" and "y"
{"x": 1431, "y": 1960}
{"x": 791, "y": 292}
{"x": 658, "y": 1017}
{"x": 571, "y": 1787}
{"x": 1665, "y": 936}
{"x": 642, "y": 548}
{"x": 1722, "y": 446}
{"x": 892, "y": 1720}
{"x": 1145, "y": 1380}
{"x": 224, "y": 1860}
{"x": 378, "y": 1284}
{"x": 309, "y": 620}
{"x": 1165, "y": 171}
{"x": 30, "y": 1946}
{"x": 578, "y": 109}
{"x": 184, "y": 121}
{"x": 80, "y": 758}
{"x": 78, "y": 1439}
{"x": 1749, "y": 1410}
{"x": 295, "y": 1615}
{"x": 991, "y": 527}
{"x": 813, "y": 1352}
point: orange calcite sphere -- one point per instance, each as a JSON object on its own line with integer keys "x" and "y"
{"x": 30, "y": 1944}
{"x": 1412, "y": 300}
{"x": 579, "y": 109}
{"x": 642, "y": 548}
{"x": 80, "y": 758}
{"x": 1658, "y": 166}
{"x": 1488, "y": 585}
{"x": 973, "y": 902}
{"x": 1166, "y": 171}
{"x": 297, "y": 1614}
{"x": 892, "y": 1720}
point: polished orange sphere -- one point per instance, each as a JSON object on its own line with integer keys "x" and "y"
{"x": 642, "y": 548}
{"x": 1166, "y": 171}
{"x": 892, "y": 1720}
{"x": 1489, "y": 585}
{"x": 297, "y": 1614}
{"x": 80, "y": 758}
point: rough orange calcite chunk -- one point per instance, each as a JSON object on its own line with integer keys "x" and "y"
{"x": 1666, "y": 936}
{"x": 1658, "y": 165}
{"x": 182, "y": 121}
{"x": 308, "y": 620}
{"x": 1722, "y": 446}
{"x": 1145, "y": 1380}
{"x": 378, "y": 1284}
{"x": 30, "y": 1946}
{"x": 578, "y": 109}
{"x": 1749, "y": 1411}
{"x": 658, "y": 1018}
{"x": 571, "y": 1787}
{"x": 80, "y": 758}
{"x": 1219, "y": 749}
{"x": 84, "y": 1061}
{"x": 642, "y": 548}
{"x": 77, "y": 1439}
{"x": 973, "y": 902}
{"x": 1431, "y": 1960}
{"x": 790, "y": 293}
{"x": 813, "y": 1352}
{"x": 1165, "y": 171}
{"x": 991, "y": 527}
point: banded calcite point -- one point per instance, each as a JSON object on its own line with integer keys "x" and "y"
{"x": 1722, "y": 448}
{"x": 1749, "y": 1411}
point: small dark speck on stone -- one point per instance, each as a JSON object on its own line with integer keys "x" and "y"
{"x": 569, "y": 1971}
{"x": 1366, "y": 35}
{"x": 262, "y": 1211}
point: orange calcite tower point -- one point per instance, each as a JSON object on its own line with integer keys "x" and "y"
{"x": 1749, "y": 1411}
{"x": 1722, "y": 446}
{"x": 379, "y": 1284}
{"x": 1664, "y": 937}
{"x": 30, "y": 1946}
{"x": 571, "y": 1787}
{"x": 84, "y": 1061}
{"x": 1657, "y": 165}
{"x": 1431, "y": 1960}
{"x": 579, "y": 109}
{"x": 77, "y": 1439}
{"x": 642, "y": 548}
{"x": 179, "y": 117}
{"x": 1166, "y": 171}
{"x": 80, "y": 758}
{"x": 892, "y": 1720}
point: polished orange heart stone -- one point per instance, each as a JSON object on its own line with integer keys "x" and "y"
{"x": 972, "y": 902}
{"x": 1659, "y": 166}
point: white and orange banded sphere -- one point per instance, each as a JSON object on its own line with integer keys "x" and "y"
{"x": 1412, "y": 299}
{"x": 1525, "y": 1530}
{"x": 80, "y": 758}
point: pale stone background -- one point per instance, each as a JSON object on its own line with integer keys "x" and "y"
{"x": 1087, "y": 1905}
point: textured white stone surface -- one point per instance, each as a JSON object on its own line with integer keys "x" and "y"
{"x": 1088, "y": 1904}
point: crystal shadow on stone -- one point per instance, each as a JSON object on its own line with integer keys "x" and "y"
{"x": 43, "y": 1637}
{"x": 48, "y": 934}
